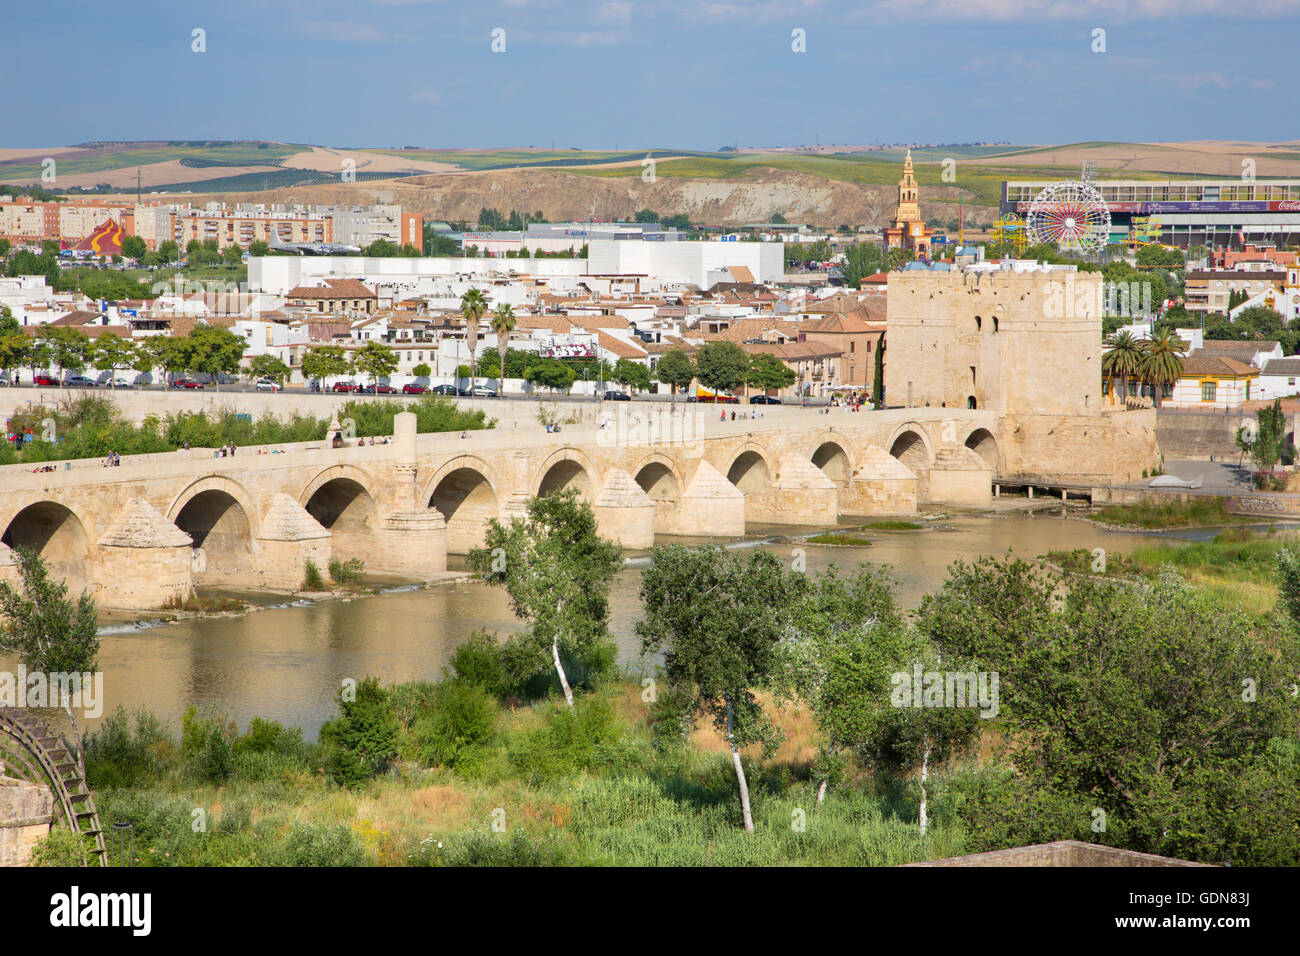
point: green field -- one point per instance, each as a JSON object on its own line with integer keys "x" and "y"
{"x": 144, "y": 154}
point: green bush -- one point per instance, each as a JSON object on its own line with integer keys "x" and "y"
{"x": 122, "y": 755}
{"x": 584, "y": 737}
{"x": 323, "y": 845}
{"x": 363, "y": 739}
{"x": 499, "y": 849}
{"x": 63, "y": 847}
{"x": 349, "y": 572}
{"x": 462, "y": 720}
{"x": 207, "y": 744}
{"x": 311, "y": 577}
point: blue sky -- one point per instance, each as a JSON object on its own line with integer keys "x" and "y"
{"x": 638, "y": 74}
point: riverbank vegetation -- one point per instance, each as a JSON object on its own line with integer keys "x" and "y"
{"x": 794, "y": 719}
{"x": 1208, "y": 512}
{"x": 92, "y": 426}
{"x": 839, "y": 538}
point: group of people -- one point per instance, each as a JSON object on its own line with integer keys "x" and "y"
{"x": 743, "y": 415}
{"x": 549, "y": 427}
{"x": 113, "y": 460}
{"x": 228, "y": 451}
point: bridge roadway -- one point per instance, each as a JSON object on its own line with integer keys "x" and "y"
{"x": 147, "y": 531}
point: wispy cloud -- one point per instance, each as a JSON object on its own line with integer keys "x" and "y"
{"x": 427, "y": 96}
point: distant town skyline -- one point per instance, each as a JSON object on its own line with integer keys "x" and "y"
{"x": 601, "y": 74}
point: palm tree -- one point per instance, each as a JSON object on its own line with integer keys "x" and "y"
{"x": 503, "y": 323}
{"x": 472, "y": 306}
{"x": 1162, "y": 360}
{"x": 1122, "y": 360}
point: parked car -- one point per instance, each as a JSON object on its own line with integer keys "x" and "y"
{"x": 379, "y": 390}
{"x": 345, "y": 387}
{"x": 764, "y": 400}
{"x": 185, "y": 383}
{"x": 482, "y": 391}
{"x": 80, "y": 381}
{"x": 613, "y": 395}
{"x": 267, "y": 385}
{"x": 410, "y": 388}
{"x": 448, "y": 390}
{"x": 45, "y": 381}
{"x": 122, "y": 383}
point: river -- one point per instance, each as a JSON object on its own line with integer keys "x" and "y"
{"x": 287, "y": 663}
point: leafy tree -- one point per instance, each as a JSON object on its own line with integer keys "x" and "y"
{"x": 1271, "y": 444}
{"x": 1259, "y": 322}
{"x": 4, "y": 248}
{"x": 382, "y": 248}
{"x": 718, "y": 619}
{"x": 69, "y": 347}
{"x": 721, "y": 366}
{"x": 259, "y": 247}
{"x": 39, "y": 356}
{"x": 108, "y": 353}
{"x": 646, "y": 215}
{"x": 133, "y": 247}
{"x": 376, "y": 360}
{"x": 47, "y": 631}
{"x": 14, "y": 350}
{"x": 679, "y": 221}
{"x": 675, "y": 369}
{"x": 363, "y": 739}
{"x": 503, "y": 323}
{"x": 862, "y": 259}
{"x": 8, "y": 323}
{"x": 898, "y": 257}
{"x": 472, "y": 306}
{"x": 422, "y": 370}
{"x": 268, "y": 366}
{"x": 233, "y": 255}
{"x": 169, "y": 251}
{"x": 325, "y": 361}
{"x": 216, "y": 350}
{"x": 550, "y": 373}
{"x": 1153, "y": 701}
{"x": 441, "y": 246}
{"x": 768, "y": 372}
{"x": 557, "y": 570}
{"x": 631, "y": 373}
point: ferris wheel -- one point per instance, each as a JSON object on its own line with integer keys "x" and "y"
{"x": 1070, "y": 214}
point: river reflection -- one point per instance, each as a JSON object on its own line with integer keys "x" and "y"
{"x": 287, "y": 663}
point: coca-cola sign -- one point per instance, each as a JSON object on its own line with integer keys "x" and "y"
{"x": 1285, "y": 205}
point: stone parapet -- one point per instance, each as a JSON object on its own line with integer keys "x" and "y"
{"x": 26, "y": 815}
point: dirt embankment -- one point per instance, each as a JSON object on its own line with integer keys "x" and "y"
{"x": 561, "y": 196}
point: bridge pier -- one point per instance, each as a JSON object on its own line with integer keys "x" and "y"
{"x": 412, "y": 544}
{"x": 290, "y": 537}
{"x": 143, "y": 560}
{"x": 711, "y": 506}
{"x": 960, "y": 477}
{"x": 625, "y": 513}
{"x": 801, "y": 493}
{"x": 881, "y": 485}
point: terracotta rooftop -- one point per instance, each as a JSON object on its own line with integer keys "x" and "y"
{"x": 333, "y": 289}
{"x": 1198, "y": 364}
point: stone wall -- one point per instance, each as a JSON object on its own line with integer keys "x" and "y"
{"x": 26, "y": 813}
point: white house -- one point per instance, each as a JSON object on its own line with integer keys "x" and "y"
{"x": 1279, "y": 378}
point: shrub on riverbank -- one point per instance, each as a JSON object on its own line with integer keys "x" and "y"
{"x": 1196, "y": 513}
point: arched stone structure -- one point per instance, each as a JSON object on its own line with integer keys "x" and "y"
{"x": 340, "y": 501}
{"x": 658, "y": 477}
{"x": 749, "y": 471}
{"x": 564, "y": 469}
{"x": 59, "y": 536}
{"x": 982, "y": 442}
{"x": 223, "y": 539}
{"x": 467, "y": 502}
{"x": 830, "y": 457}
{"x": 910, "y": 445}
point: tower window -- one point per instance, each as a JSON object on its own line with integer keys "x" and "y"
{"x": 979, "y": 323}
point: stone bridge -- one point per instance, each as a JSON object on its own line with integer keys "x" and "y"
{"x": 145, "y": 532}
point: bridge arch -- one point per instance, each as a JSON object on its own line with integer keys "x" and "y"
{"x": 340, "y": 500}
{"x": 564, "y": 469}
{"x": 58, "y": 535}
{"x": 750, "y": 470}
{"x": 983, "y": 443}
{"x": 464, "y": 491}
{"x": 910, "y": 445}
{"x": 830, "y": 456}
{"x": 660, "y": 478}
{"x": 218, "y": 513}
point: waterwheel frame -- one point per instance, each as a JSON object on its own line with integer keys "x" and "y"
{"x": 30, "y": 750}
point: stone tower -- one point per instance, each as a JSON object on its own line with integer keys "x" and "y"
{"x": 907, "y": 230}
